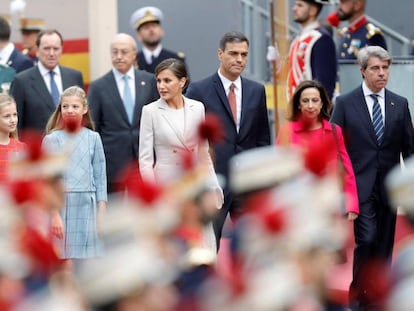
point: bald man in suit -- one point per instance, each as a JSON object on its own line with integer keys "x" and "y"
{"x": 119, "y": 129}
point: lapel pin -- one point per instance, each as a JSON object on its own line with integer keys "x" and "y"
{"x": 143, "y": 83}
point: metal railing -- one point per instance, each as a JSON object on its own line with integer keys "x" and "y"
{"x": 255, "y": 21}
{"x": 404, "y": 44}
{"x": 392, "y": 35}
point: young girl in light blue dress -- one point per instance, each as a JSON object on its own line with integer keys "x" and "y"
{"x": 75, "y": 225}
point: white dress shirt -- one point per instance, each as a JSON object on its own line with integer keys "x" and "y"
{"x": 148, "y": 53}
{"x": 5, "y": 53}
{"x": 46, "y": 76}
{"x": 120, "y": 81}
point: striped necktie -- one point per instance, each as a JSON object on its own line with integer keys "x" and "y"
{"x": 377, "y": 120}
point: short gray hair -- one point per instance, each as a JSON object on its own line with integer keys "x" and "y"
{"x": 372, "y": 51}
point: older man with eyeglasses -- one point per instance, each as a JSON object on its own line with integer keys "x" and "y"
{"x": 116, "y": 100}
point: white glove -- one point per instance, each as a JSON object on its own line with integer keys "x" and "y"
{"x": 273, "y": 55}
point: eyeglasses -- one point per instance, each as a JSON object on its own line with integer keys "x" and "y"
{"x": 122, "y": 52}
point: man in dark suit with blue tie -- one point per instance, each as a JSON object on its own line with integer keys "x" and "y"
{"x": 36, "y": 90}
{"x": 246, "y": 124}
{"x": 116, "y": 100}
{"x": 378, "y": 129}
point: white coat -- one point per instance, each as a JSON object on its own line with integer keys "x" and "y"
{"x": 162, "y": 142}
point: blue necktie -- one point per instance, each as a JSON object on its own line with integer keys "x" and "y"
{"x": 127, "y": 98}
{"x": 53, "y": 88}
{"x": 377, "y": 120}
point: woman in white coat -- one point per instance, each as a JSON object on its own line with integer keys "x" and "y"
{"x": 169, "y": 130}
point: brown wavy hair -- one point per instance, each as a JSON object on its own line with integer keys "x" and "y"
{"x": 55, "y": 121}
{"x": 294, "y": 103}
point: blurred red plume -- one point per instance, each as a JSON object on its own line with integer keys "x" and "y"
{"x": 320, "y": 154}
{"x": 188, "y": 161}
{"x": 33, "y": 140}
{"x": 72, "y": 124}
{"x": 40, "y": 251}
{"x": 333, "y": 19}
{"x": 211, "y": 129}
{"x": 145, "y": 191}
{"x": 271, "y": 216}
{"x": 24, "y": 191}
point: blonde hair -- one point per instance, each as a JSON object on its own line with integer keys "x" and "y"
{"x": 55, "y": 121}
{"x": 7, "y": 100}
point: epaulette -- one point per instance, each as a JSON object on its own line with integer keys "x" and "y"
{"x": 181, "y": 55}
{"x": 342, "y": 31}
{"x": 372, "y": 30}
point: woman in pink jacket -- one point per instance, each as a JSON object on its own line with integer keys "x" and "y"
{"x": 309, "y": 127}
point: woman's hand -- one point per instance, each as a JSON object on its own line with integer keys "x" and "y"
{"x": 101, "y": 213}
{"x": 352, "y": 216}
{"x": 56, "y": 225}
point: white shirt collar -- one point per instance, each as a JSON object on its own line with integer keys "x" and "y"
{"x": 44, "y": 71}
{"x": 368, "y": 92}
{"x": 310, "y": 27}
{"x": 5, "y": 53}
{"x": 226, "y": 82}
{"x": 148, "y": 53}
{"x": 118, "y": 75}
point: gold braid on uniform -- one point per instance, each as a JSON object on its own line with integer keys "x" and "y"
{"x": 372, "y": 31}
{"x": 341, "y": 31}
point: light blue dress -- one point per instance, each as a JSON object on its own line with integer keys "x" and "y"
{"x": 85, "y": 184}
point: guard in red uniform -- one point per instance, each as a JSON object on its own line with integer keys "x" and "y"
{"x": 312, "y": 54}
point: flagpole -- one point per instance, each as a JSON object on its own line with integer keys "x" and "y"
{"x": 274, "y": 68}
{"x": 279, "y": 26}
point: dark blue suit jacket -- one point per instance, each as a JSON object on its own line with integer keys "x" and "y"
{"x": 19, "y": 61}
{"x": 119, "y": 137}
{"x": 254, "y": 125}
{"x": 369, "y": 159}
{"x": 34, "y": 102}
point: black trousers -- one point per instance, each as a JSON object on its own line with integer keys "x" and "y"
{"x": 374, "y": 232}
{"x": 232, "y": 206}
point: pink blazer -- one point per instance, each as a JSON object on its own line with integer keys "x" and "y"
{"x": 298, "y": 138}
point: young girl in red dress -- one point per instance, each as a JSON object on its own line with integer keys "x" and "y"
{"x": 9, "y": 144}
